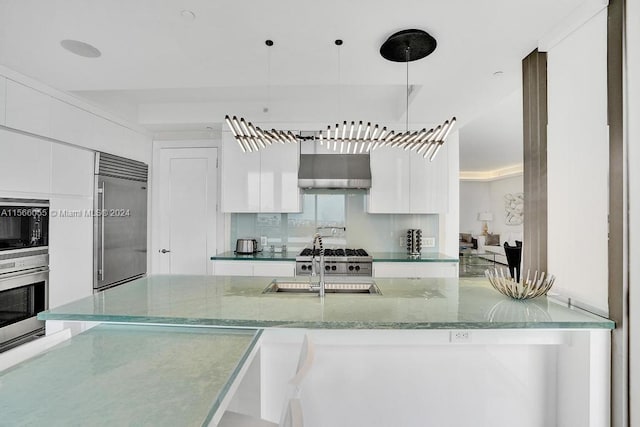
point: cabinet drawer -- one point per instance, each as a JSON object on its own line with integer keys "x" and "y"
{"x": 232, "y": 268}
{"x": 274, "y": 269}
{"x": 415, "y": 269}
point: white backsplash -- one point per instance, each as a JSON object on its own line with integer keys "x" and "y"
{"x": 335, "y": 208}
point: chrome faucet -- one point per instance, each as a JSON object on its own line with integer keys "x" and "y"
{"x": 317, "y": 238}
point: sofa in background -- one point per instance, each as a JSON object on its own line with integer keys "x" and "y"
{"x": 493, "y": 245}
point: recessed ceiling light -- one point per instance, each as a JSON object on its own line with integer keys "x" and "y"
{"x": 498, "y": 74}
{"x": 188, "y": 15}
{"x": 80, "y": 48}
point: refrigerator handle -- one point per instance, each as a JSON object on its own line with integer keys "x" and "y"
{"x": 101, "y": 191}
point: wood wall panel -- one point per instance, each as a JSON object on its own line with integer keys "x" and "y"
{"x": 534, "y": 84}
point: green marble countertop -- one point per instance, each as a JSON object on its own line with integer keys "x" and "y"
{"x": 405, "y": 257}
{"x": 258, "y": 256}
{"x": 116, "y": 375}
{"x": 377, "y": 257}
{"x": 435, "y": 303}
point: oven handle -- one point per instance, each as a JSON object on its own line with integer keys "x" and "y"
{"x": 101, "y": 191}
{"x": 7, "y": 280}
{"x": 23, "y": 273}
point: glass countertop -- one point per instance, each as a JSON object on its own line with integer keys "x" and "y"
{"x": 237, "y": 301}
{"x": 258, "y": 256}
{"x": 377, "y": 257}
{"x": 405, "y": 257}
{"x": 127, "y": 375}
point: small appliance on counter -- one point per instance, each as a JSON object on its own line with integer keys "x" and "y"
{"x": 414, "y": 241}
{"x": 246, "y": 246}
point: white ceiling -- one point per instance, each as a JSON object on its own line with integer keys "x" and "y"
{"x": 166, "y": 72}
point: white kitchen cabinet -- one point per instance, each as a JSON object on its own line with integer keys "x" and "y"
{"x": 254, "y": 268}
{"x": 3, "y": 99}
{"x": 429, "y": 188}
{"x": 264, "y": 181}
{"x": 279, "y": 190}
{"x": 406, "y": 182}
{"x": 69, "y": 123}
{"x": 390, "y": 181}
{"x": 27, "y": 109}
{"x": 240, "y": 177}
{"x": 25, "y": 163}
{"x": 274, "y": 269}
{"x": 415, "y": 269}
{"x": 105, "y": 135}
{"x": 70, "y": 250}
{"x": 71, "y": 170}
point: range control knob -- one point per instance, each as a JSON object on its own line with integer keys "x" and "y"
{"x": 333, "y": 267}
{"x": 357, "y": 268}
{"x": 304, "y": 267}
{"x": 327, "y": 268}
{"x": 351, "y": 268}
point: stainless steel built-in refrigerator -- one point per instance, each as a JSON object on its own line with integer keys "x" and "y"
{"x": 120, "y": 221}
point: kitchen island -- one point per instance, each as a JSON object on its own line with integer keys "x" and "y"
{"x": 442, "y": 303}
{"x": 414, "y": 355}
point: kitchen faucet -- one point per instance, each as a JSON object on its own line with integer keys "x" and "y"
{"x": 317, "y": 238}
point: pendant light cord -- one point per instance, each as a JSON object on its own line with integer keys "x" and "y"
{"x": 269, "y": 82}
{"x": 339, "y": 81}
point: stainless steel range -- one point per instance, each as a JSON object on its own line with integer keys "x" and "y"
{"x": 337, "y": 262}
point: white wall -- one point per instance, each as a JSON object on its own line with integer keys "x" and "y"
{"x": 633, "y": 136}
{"x": 480, "y": 196}
{"x": 577, "y": 156}
{"x": 497, "y": 190}
{"x": 450, "y": 222}
{"x": 475, "y": 196}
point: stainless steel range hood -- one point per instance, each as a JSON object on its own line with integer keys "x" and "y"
{"x": 334, "y": 171}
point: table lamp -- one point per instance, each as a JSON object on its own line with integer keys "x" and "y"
{"x": 485, "y": 216}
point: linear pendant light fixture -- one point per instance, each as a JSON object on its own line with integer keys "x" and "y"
{"x": 352, "y": 138}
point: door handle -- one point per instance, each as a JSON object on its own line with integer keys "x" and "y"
{"x": 102, "y": 190}
{"x": 164, "y": 251}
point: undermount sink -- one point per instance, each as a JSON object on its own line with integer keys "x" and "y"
{"x": 333, "y": 286}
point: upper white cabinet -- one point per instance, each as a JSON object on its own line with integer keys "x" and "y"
{"x": 430, "y": 183}
{"x": 70, "y": 123}
{"x": 3, "y": 99}
{"x": 25, "y": 163}
{"x": 279, "y": 190}
{"x": 405, "y": 182}
{"x": 27, "y": 109}
{"x": 71, "y": 170}
{"x": 263, "y": 181}
{"x": 390, "y": 181}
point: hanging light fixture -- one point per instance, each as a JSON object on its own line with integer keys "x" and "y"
{"x": 403, "y": 46}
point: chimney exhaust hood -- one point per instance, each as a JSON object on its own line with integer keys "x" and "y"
{"x": 334, "y": 171}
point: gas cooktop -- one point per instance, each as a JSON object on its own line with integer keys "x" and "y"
{"x": 337, "y": 262}
{"x": 307, "y": 252}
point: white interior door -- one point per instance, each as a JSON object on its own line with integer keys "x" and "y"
{"x": 187, "y": 210}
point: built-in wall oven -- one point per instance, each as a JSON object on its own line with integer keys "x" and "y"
{"x": 24, "y": 268}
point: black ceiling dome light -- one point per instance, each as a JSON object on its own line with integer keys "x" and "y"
{"x": 408, "y": 45}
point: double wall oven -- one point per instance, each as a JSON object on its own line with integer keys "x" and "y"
{"x": 24, "y": 268}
